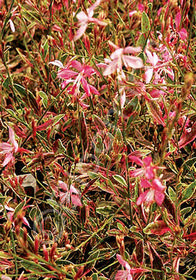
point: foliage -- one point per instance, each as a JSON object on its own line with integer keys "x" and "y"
{"x": 97, "y": 139}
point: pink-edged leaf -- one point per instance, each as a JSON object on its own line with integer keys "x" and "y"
{"x": 155, "y": 112}
{"x": 138, "y": 270}
{"x": 44, "y": 125}
{"x": 187, "y": 137}
{"x": 25, "y": 222}
{"x": 158, "y": 228}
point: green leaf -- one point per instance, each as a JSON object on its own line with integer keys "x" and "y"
{"x": 44, "y": 98}
{"x": 172, "y": 194}
{"x": 145, "y": 22}
{"x": 19, "y": 207}
{"x": 185, "y": 211}
{"x": 34, "y": 267}
{"x": 53, "y": 203}
{"x": 188, "y": 192}
{"x": 105, "y": 208}
{"x": 120, "y": 180}
{"x": 141, "y": 41}
{"x": 6, "y": 83}
{"x": 58, "y": 118}
{"x": 189, "y": 165}
{"x": 23, "y": 91}
{"x": 95, "y": 276}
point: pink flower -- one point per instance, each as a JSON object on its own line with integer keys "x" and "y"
{"x": 181, "y": 31}
{"x": 157, "y": 68}
{"x": 128, "y": 272}
{"x": 77, "y": 78}
{"x": 9, "y": 148}
{"x": 69, "y": 195}
{"x": 147, "y": 169}
{"x": 155, "y": 192}
{"x": 119, "y": 58}
{"x": 84, "y": 19}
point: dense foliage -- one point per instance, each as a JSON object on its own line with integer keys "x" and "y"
{"x": 97, "y": 139}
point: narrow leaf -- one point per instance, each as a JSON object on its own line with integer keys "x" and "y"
{"x": 189, "y": 192}
{"x": 145, "y": 22}
{"x": 120, "y": 180}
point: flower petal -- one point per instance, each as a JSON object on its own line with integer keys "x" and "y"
{"x": 132, "y": 61}
{"x": 80, "y": 31}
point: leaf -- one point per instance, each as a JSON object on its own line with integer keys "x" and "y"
{"x": 18, "y": 208}
{"x": 145, "y": 23}
{"x": 188, "y": 165}
{"x": 98, "y": 123}
{"x": 28, "y": 96}
{"x": 120, "y": 180}
{"x": 188, "y": 192}
{"x": 84, "y": 132}
{"x": 185, "y": 211}
{"x": 139, "y": 250}
{"x": 93, "y": 258}
{"x": 155, "y": 111}
{"x": 34, "y": 267}
{"x": 141, "y": 41}
{"x": 172, "y": 194}
{"x": 95, "y": 276}
{"x": 24, "y": 57}
{"x": 6, "y": 83}
{"x": 133, "y": 107}
{"x": 157, "y": 265}
{"x": 57, "y": 118}
{"x": 44, "y": 125}
{"x": 106, "y": 208}
{"x": 158, "y": 228}
{"x": 44, "y": 98}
